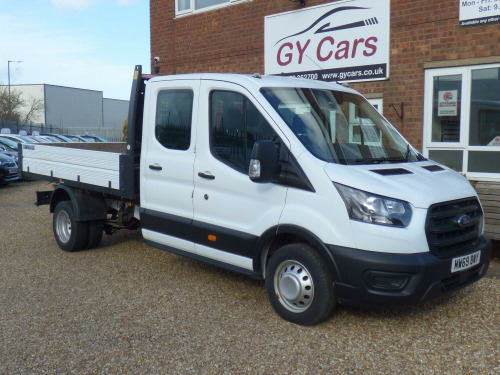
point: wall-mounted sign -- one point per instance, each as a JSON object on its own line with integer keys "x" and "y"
{"x": 448, "y": 103}
{"x": 479, "y": 12}
{"x": 341, "y": 41}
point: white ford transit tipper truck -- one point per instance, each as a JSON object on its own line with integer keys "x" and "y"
{"x": 298, "y": 182}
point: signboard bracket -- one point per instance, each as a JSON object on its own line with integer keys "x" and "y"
{"x": 402, "y": 108}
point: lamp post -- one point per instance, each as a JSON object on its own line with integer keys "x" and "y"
{"x": 8, "y": 71}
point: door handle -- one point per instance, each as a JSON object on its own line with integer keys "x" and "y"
{"x": 155, "y": 167}
{"x": 206, "y": 175}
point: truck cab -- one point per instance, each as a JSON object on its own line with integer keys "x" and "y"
{"x": 390, "y": 224}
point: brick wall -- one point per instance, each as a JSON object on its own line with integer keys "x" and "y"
{"x": 231, "y": 39}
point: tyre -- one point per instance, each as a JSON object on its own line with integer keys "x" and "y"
{"x": 70, "y": 235}
{"x": 300, "y": 285}
{"x": 96, "y": 229}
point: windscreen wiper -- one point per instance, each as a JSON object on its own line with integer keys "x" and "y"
{"x": 419, "y": 156}
{"x": 408, "y": 152}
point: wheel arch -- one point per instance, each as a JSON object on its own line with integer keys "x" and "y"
{"x": 279, "y": 236}
{"x": 86, "y": 206}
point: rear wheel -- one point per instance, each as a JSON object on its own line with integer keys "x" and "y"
{"x": 96, "y": 229}
{"x": 70, "y": 235}
{"x": 300, "y": 285}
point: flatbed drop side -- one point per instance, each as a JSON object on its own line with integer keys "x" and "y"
{"x": 109, "y": 168}
{"x": 301, "y": 183}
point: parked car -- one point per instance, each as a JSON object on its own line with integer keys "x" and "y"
{"x": 51, "y": 138}
{"x": 45, "y": 139}
{"x": 94, "y": 138}
{"x": 79, "y": 138}
{"x": 18, "y": 138}
{"x": 8, "y": 144}
{"x": 12, "y": 154}
{"x": 8, "y": 169}
{"x": 62, "y": 137}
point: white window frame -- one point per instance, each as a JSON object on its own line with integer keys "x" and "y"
{"x": 353, "y": 121}
{"x": 463, "y": 144}
{"x": 191, "y": 9}
{"x": 378, "y": 103}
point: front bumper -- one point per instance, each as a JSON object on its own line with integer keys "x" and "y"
{"x": 7, "y": 176}
{"x": 373, "y": 279}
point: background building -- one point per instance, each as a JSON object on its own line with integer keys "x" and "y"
{"x": 439, "y": 82}
{"x": 68, "y": 107}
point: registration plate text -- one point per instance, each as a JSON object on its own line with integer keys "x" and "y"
{"x": 467, "y": 261}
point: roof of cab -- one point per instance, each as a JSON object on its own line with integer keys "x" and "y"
{"x": 257, "y": 81}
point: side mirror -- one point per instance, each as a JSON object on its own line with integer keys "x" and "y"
{"x": 264, "y": 164}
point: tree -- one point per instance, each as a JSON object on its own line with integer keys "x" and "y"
{"x": 34, "y": 106}
{"x": 14, "y": 108}
{"x": 124, "y": 129}
{"x": 10, "y": 104}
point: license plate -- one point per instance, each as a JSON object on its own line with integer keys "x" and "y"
{"x": 467, "y": 261}
{"x": 13, "y": 170}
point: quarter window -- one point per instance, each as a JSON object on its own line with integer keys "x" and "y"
{"x": 235, "y": 125}
{"x": 173, "y": 118}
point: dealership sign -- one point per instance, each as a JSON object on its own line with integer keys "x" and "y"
{"x": 479, "y": 12}
{"x": 448, "y": 103}
{"x": 341, "y": 41}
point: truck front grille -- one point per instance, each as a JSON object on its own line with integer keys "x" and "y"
{"x": 454, "y": 227}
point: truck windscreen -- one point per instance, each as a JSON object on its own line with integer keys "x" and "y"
{"x": 339, "y": 127}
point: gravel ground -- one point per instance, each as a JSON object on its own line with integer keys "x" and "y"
{"x": 129, "y": 308}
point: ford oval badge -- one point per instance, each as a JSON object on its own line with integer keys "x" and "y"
{"x": 464, "y": 221}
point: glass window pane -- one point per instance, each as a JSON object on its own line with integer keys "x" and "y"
{"x": 258, "y": 129}
{"x": 200, "y": 4}
{"x": 450, "y": 158}
{"x": 338, "y": 126}
{"x": 183, "y": 5}
{"x": 236, "y": 124}
{"x": 484, "y": 161}
{"x": 227, "y": 127}
{"x": 485, "y": 107}
{"x": 173, "y": 118}
{"x": 446, "y": 104}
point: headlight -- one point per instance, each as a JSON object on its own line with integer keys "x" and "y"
{"x": 375, "y": 209}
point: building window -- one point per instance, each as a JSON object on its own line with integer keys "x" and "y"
{"x": 462, "y": 119}
{"x": 485, "y": 107}
{"x": 235, "y": 125}
{"x": 173, "y": 118}
{"x": 191, "y": 6}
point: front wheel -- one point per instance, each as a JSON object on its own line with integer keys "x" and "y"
{"x": 70, "y": 235}
{"x": 300, "y": 285}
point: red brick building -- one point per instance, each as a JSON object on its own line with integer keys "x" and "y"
{"x": 437, "y": 50}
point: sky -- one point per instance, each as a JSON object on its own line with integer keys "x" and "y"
{"x": 88, "y": 44}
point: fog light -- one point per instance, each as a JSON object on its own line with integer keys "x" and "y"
{"x": 386, "y": 280}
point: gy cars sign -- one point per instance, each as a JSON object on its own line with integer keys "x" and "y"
{"x": 341, "y": 41}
